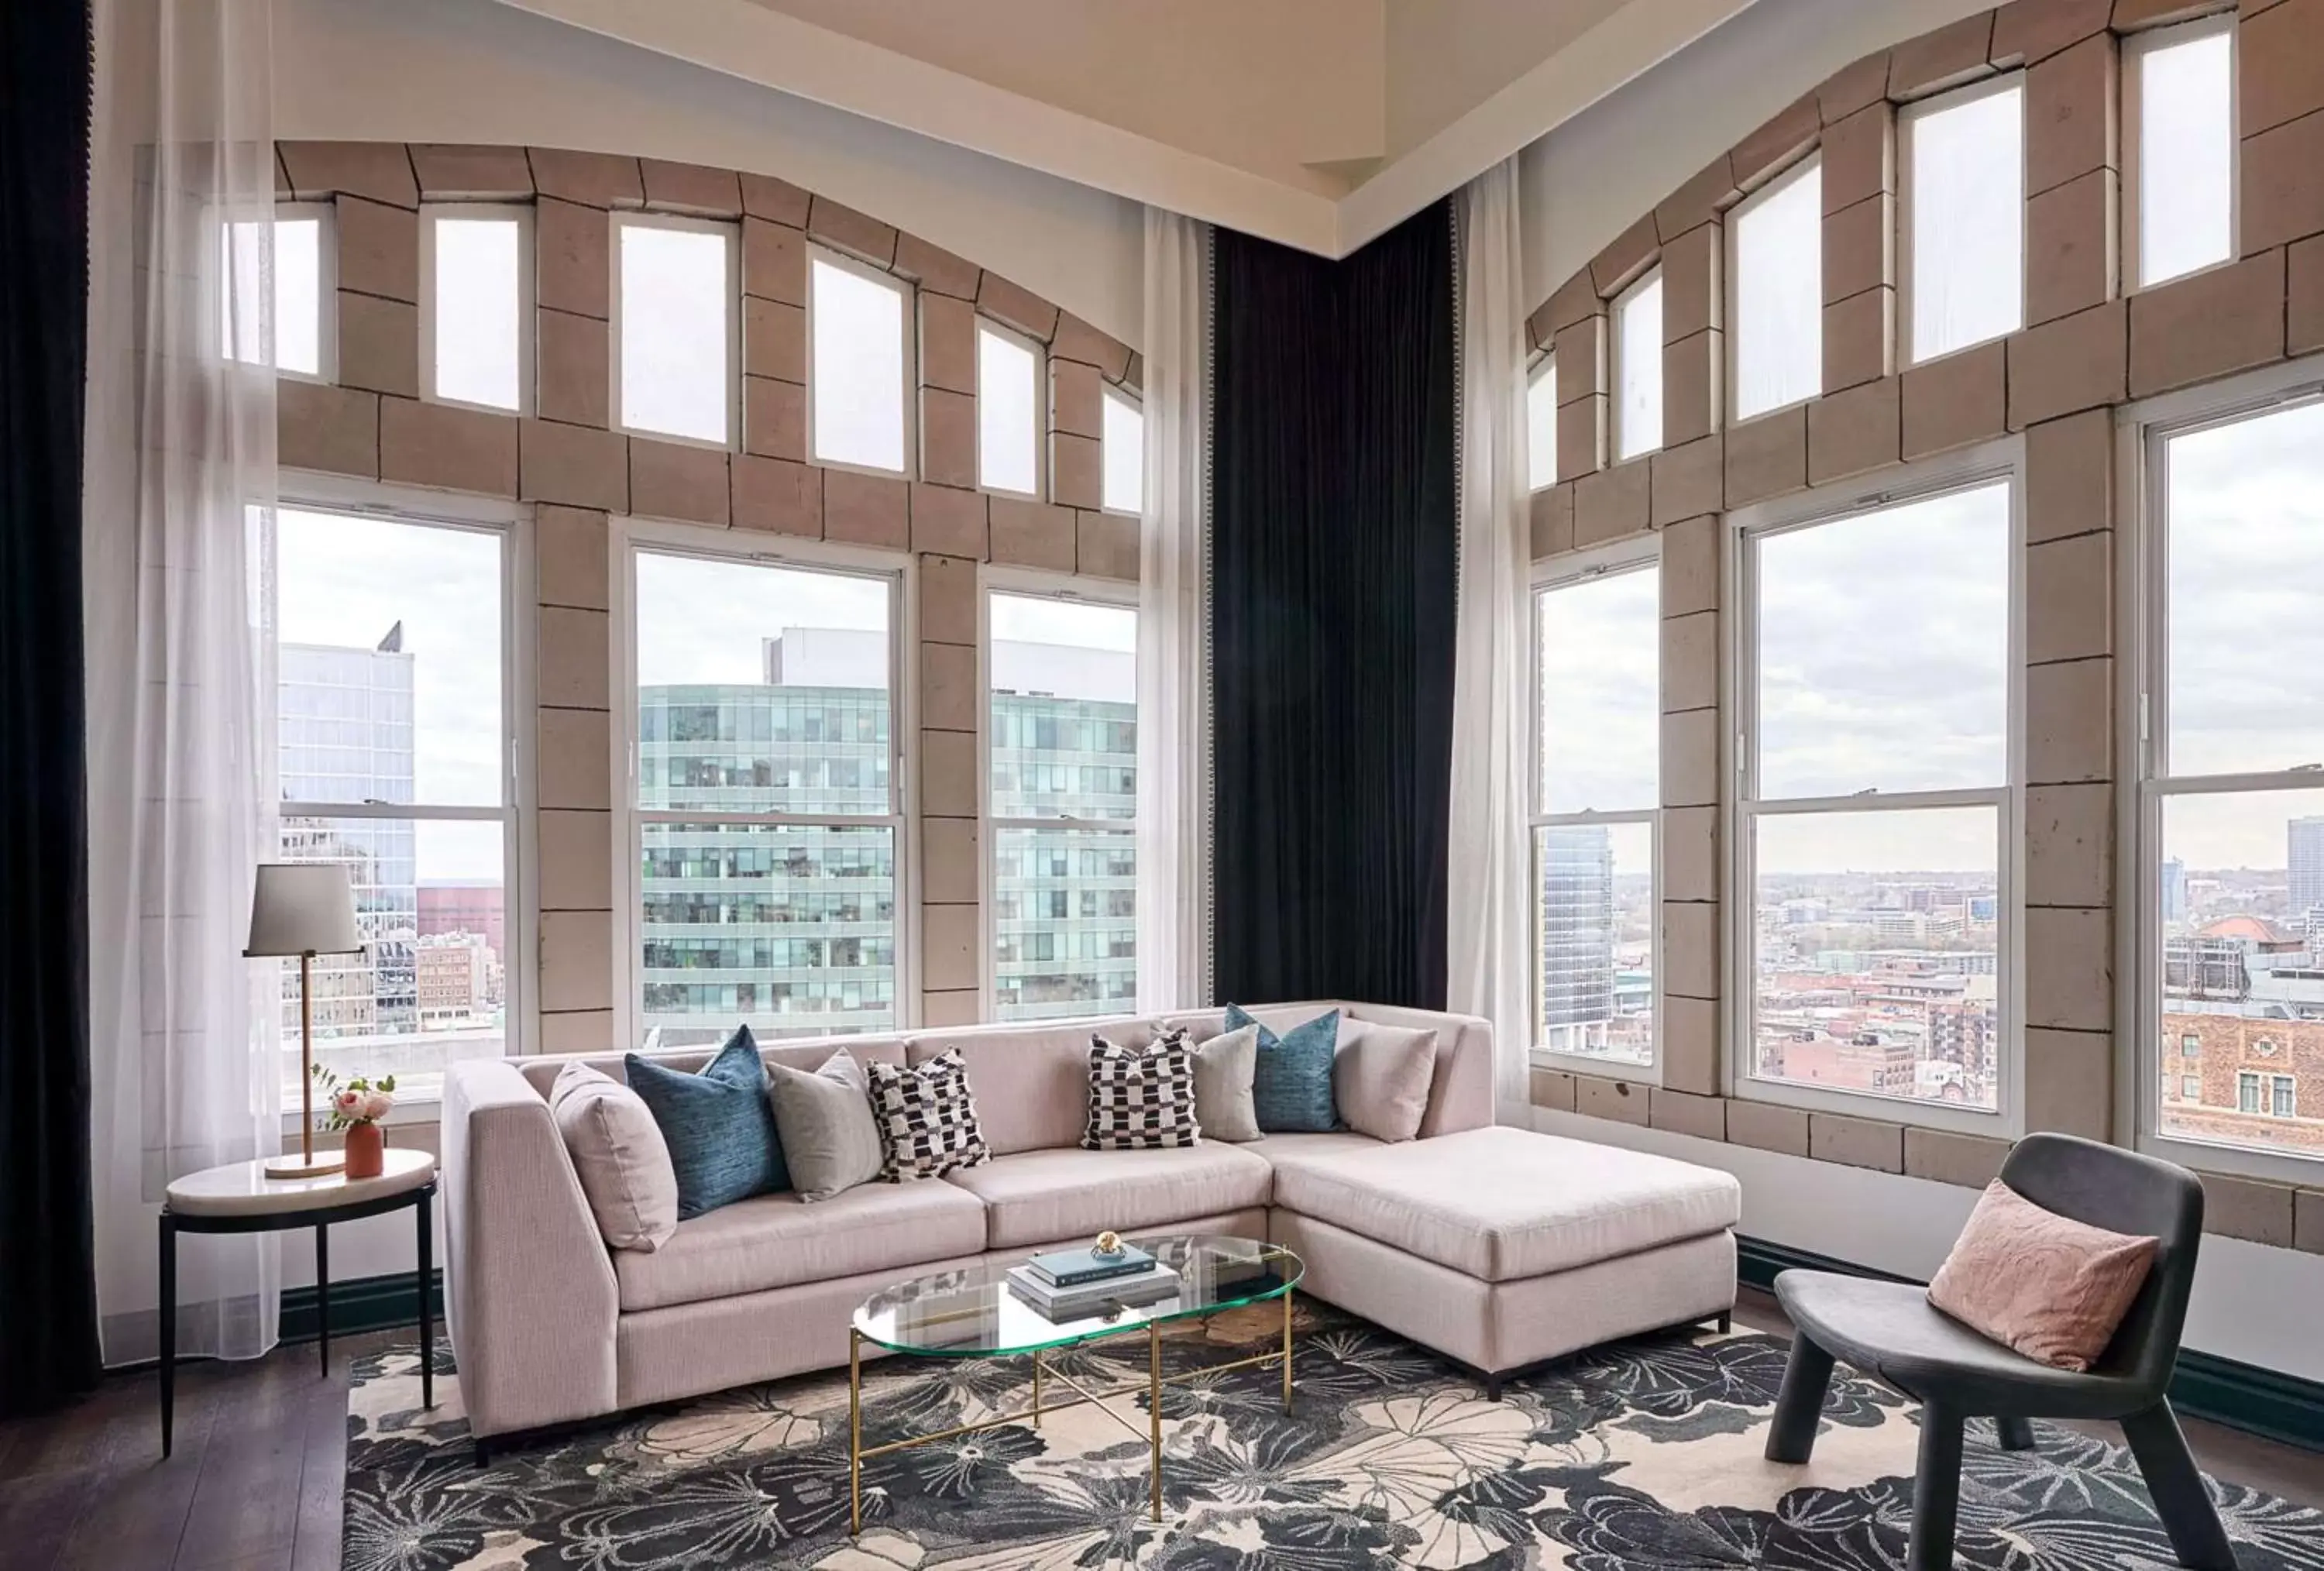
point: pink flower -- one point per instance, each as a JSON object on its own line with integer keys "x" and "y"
{"x": 375, "y": 1105}
{"x": 347, "y": 1100}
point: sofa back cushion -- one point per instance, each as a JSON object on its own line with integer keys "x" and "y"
{"x": 807, "y": 1053}
{"x": 1031, "y": 1082}
{"x": 620, "y": 1156}
{"x": 718, "y": 1124}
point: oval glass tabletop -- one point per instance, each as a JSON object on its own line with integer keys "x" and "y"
{"x": 974, "y": 1312}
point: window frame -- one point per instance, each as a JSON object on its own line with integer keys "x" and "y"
{"x": 907, "y": 387}
{"x": 728, "y": 230}
{"x": 1135, "y": 404}
{"x": 1908, "y": 118}
{"x": 2135, "y": 47}
{"x": 527, "y": 336}
{"x": 631, "y": 537}
{"x": 1541, "y": 371}
{"x": 1564, "y": 570}
{"x": 1970, "y": 468}
{"x": 1040, "y": 432}
{"x": 302, "y": 491}
{"x": 327, "y": 286}
{"x": 2143, "y": 430}
{"x": 1730, "y": 287}
{"x": 1617, "y": 361}
{"x": 1031, "y": 584}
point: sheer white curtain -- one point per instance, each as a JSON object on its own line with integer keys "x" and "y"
{"x": 1174, "y": 697}
{"x": 1485, "y": 932}
{"x": 184, "y": 1037}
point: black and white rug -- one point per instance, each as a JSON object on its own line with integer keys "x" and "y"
{"x": 1641, "y": 1456}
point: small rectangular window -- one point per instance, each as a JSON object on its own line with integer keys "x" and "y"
{"x": 1638, "y": 367}
{"x": 857, "y": 371}
{"x": 1007, "y": 411}
{"x": 1124, "y": 454}
{"x": 2182, "y": 101}
{"x": 2283, "y": 1105}
{"x": 674, "y": 296}
{"x": 2246, "y": 1091}
{"x": 1541, "y": 423}
{"x": 475, "y": 340}
{"x": 294, "y": 316}
{"x": 1965, "y": 197}
{"x": 1776, "y": 265}
{"x": 2190, "y": 1088}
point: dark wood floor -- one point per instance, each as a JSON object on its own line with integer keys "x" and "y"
{"x": 255, "y": 1482}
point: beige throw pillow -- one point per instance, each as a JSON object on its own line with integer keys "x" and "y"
{"x": 1381, "y": 1078}
{"x": 1223, "y": 1070}
{"x": 619, "y": 1156}
{"x": 831, "y": 1141}
{"x": 2050, "y": 1287}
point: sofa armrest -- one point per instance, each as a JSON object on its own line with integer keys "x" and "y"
{"x": 529, "y": 1294}
{"x": 1461, "y": 1096}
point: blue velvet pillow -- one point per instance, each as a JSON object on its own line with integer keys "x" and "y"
{"x": 719, "y": 1125}
{"x": 1291, "y": 1090}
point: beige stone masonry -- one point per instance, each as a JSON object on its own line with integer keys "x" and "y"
{"x": 2280, "y": 65}
{"x": 1856, "y": 1142}
{"x": 692, "y": 188}
{"x": 1618, "y": 1100}
{"x": 774, "y": 339}
{"x": 2072, "y": 258}
{"x": 379, "y": 344}
{"x": 593, "y": 179}
{"x": 2028, "y": 31}
{"x": 1693, "y": 300}
{"x": 2070, "y": 598}
{"x": 1854, "y": 431}
{"x": 948, "y": 779}
{"x": 1859, "y": 247}
{"x": 1690, "y": 661}
{"x": 1077, "y": 470}
{"x": 2075, "y": 363}
{"x": 1776, "y": 145}
{"x": 1628, "y": 256}
{"x": 573, "y": 375}
{"x": 1612, "y": 502}
{"x": 572, "y": 259}
{"x": 1853, "y": 88}
{"x": 1860, "y": 158}
{"x": 1553, "y": 520}
{"x": 1689, "y": 1043}
{"x": 576, "y": 751}
{"x": 1690, "y": 862}
{"x": 2308, "y": 1221}
{"x": 2304, "y": 312}
{"x": 949, "y": 602}
{"x": 937, "y": 271}
{"x": 573, "y": 465}
{"x": 1552, "y": 1088}
{"x": 2069, "y": 722}
{"x": 574, "y": 654}
{"x": 1582, "y": 436}
{"x": 949, "y": 695}
{"x": 2136, "y": 15}
{"x": 1956, "y": 401}
{"x": 950, "y": 855}
{"x": 446, "y": 447}
{"x": 335, "y": 430}
{"x": 2069, "y": 1082}
{"x": 1687, "y": 480}
{"x": 378, "y": 171}
{"x": 2246, "y": 1209}
{"x": 1018, "y": 307}
{"x": 842, "y": 228}
{"x": 776, "y": 200}
{"x": 1032, "y": 534}
{"x": 1076, "y": 403}
{"x": 1969, "y": 1161}
{"x": 1683, "y": 1113}
{"x": 1767, "y": 457}
{"x": 1106, "y": 545}
{"x": 949, "y": 522}
{"x": 1690, "y": 759}
{"x": 576, "y": 961}
{"x": 448, "y": 172}
{"x": 947, "y": 432}
{"x": 2070, "y": 967}
{"x": 577, "y": 861}
{"x": 774, "y": 418}
{"x": 1694, "y": 386}
{"x": 1077, "y": 341}
{"x": 679, "y": 480}
{"x": 2069, "y": 475}
{"x": 1947, "y": 58}
{"x": 866, "y": 509}
{"x": 774, "y": 261}
{"x": 1695, "y": 203}
{"x": 1767, "y": 1126}
{"x": 2071, "y": 118}
{"x": 1690, "y": 567}
{"x": 570, "y": 547}
{"x": 947, "y": 344}
{"x": 378, "y": 248}
{"x": 2207, "y": 324}
{"x": 575, "y": 1030}
{"x": 1859, "y": 339}
{"x": 1689, "y": 954}
{"x": 2070, "y": 836}
{"x": 2283, "y": 184}
{"x": 780, "y": 495}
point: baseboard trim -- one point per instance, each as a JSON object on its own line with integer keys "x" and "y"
{"x": 360, "y": 1304}
{"x": 2243, "y": 1395}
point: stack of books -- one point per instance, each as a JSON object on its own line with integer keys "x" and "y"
{"x": 1076, "y": 1283}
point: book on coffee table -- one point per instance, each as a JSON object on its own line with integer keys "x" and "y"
{"x": 1070, "y": 1268}
{"x": 1149, "y": 1287}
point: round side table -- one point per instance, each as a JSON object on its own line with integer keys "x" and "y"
{"x": 239, "y": 1198}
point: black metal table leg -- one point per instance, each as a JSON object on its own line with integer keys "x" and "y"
{"x": 169, "y": 1307}
{"x": 323, "y": 1292}
{"x": 426, "y": 1230}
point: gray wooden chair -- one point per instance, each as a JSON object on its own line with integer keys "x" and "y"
{"x": 1889, "y": 1331}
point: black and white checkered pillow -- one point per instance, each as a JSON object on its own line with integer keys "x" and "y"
{"x": 1141, "y": 1098}
{"x": 926, "y": 1117}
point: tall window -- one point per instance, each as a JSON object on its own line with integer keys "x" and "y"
{"x": 1007, "y": 411}
{"x": 1877, "y": 832}
{"x": 674, "y": 280}
{"x": 1123, "y": 454}
{"x": 1063, "y": 679}
{"x": 858, "y": 364}
{"x": 392, "y": 744}
{"x": 2181, "y": 102}
{"x": 1638, "y": 367}
{"x": 301, "y": 265}
{"x": 1597, "y": 808}
{"x": 764, "y": 814}
{"x": 1541, "y": 423}
{"x": 2232, "y": 818}
{"x": 475, "y": 346}
{"x": 1776, "y": 316}
{"x": 1965, "y": 213}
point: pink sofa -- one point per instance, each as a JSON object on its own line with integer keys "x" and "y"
{"x": 1498, "y": 1247}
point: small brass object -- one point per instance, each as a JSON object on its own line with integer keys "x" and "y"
{"x": 1108, "y": 1243}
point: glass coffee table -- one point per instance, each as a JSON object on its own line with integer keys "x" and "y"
{"x": 971, "y": 1314}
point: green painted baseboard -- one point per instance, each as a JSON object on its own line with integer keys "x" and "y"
{"x": 2243, "y": 1395}
{"x": 362, "y": 1304}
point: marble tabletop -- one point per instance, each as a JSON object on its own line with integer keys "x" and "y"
{"x": 243, "y": 1189}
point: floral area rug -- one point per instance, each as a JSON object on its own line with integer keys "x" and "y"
{"x": 1644, "y": 1456}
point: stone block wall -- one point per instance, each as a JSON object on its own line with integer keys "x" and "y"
{"x": 2086, "y": 348}
{"x": 566, "y": 459}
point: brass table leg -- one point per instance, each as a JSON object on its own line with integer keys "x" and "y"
{"x": 1153, "y": 1396}
{"x": 1036, "y": 1388}
{"x": 855, "y": 1431}
{"x": 1287, "y": 1350}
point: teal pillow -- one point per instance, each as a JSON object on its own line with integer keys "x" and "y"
{"x": 1291, "y": 1089}
{"x": 719, "y": 1125}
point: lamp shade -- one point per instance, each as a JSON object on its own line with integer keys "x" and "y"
{"x": 302, "y": 907}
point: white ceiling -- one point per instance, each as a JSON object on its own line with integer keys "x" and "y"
{"x": 1316, "y": 122}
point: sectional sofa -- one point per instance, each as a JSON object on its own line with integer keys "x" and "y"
{"x": 1498, "y": 1247}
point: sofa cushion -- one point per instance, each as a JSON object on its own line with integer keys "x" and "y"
{"x": 1291, "y": 1086}
{"x": 1141, "y": 1098}
{"x": 1379, "y": 1078}
{"x": 1330, "y": 1144}
{"x": 927, "y": 1119}
{"x": 1031, "y": 1083}
{"x": 1502, "y": 1205}
{"x": 1223, "y": 1068}
{"x": 620, "y": 1156}
{"x": 776, "y": 1241}
{"x": 718, "y": 1124}
{"x": 1049, "y": 1196}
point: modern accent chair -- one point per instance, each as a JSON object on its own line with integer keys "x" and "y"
{"x": 1889, "y": 1330}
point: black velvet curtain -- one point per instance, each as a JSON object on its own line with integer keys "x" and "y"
{"x": 48, "y": 1298}
{"x": 1331, "y": 610}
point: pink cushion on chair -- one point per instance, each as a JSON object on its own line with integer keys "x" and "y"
{"x": 2047, "y": 1286}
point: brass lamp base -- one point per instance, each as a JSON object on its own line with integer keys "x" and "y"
{"x": 316, "y": 1164}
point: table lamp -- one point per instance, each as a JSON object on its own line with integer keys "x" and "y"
{"x": 304, "y": 908}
